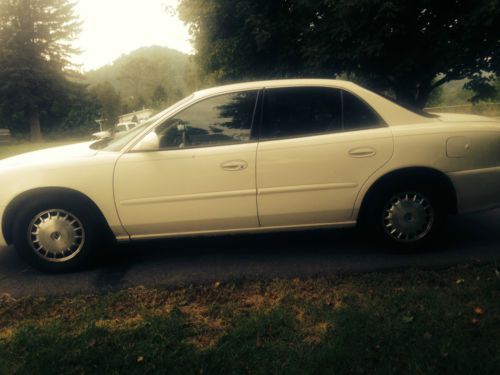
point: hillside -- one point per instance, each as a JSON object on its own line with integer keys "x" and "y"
{"x": 138, "y": 76}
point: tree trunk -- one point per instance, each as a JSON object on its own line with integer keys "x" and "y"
{"x": 422, "y": 97}
{"x": 35, "y": 130}
{"x": 405, "y": 96}
{"x": 415, "y": 96}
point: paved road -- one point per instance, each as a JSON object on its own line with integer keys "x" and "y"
{"x": 177, "y": 262}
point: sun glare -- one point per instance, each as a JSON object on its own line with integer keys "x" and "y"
{"x": 115, "y": 27}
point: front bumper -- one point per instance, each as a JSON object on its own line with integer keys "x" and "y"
{"x": 477, "y": 189}
{"x": 3, "y": 243}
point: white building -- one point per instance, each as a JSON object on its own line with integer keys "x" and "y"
{"x": 138, "y": 116}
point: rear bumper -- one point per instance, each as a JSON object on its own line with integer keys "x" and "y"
{"x": 2, "y": 238}
{"x": 477, "y": 189}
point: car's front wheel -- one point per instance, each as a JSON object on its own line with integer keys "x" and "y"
{"x": 55, "y": 235}
{"x": 407, "y": 216}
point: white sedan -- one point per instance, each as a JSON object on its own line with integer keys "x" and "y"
{"x": 253, "y": 157}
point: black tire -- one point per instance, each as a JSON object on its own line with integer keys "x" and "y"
{"x": 374, "y": 219}
{"x": 23, "y": 241}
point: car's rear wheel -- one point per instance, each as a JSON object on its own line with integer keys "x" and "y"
{"x": 407, "y": 215}
{"x": 55, "y": 235}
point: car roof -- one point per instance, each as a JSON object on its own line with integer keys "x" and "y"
{"x": 392, "y": 113}
{"x": 275, "y": 83}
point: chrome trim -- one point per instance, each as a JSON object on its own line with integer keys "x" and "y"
{"x": 188, "y": 197}
{"x": 302, "y": 188}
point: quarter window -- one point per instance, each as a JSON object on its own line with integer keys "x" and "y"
{"x": 357, "y": 115}
{"x": 225, "y": 119}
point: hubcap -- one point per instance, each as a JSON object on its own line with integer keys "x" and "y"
{"x": 408, "y": 217}
{"x": 56, "y": 235}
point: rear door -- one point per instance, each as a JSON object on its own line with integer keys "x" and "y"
{"x": 317, "y": 147}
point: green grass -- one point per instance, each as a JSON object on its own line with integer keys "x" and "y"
{"x": 11, "y": 150}
{"x": 412, "y": 322}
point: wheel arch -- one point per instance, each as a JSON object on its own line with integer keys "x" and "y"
{"x": 431, "y": 175}
{"x": 50, "y": 192}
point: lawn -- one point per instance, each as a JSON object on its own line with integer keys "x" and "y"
{"x": 11, "y": 150}
{"x": 408, "y": 322}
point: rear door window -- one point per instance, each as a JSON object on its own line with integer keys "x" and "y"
{"x": 301, "y": 111}
{"x": 306, "y": 111}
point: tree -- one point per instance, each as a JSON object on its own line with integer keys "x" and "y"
{"x": 142, "y": 71}
{"x": 132, "y": 74}
{"x": 159, "y": 97}
{"x": 246, "y": 39}
{"x": 109, "y": 103}
{"x": 497, "y": 89}
{"x": 35, "y": 48}
{"x": 406, "y": 48}
{"x": 78, "y": 115}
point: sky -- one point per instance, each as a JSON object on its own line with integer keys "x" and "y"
{"x": 115, "y": 27}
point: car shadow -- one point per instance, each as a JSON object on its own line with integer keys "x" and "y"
{"x": 467, "y": 231}
{"x": 195, "y": 260}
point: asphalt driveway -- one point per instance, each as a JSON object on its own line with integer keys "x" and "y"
{"x": 180, "y": 262}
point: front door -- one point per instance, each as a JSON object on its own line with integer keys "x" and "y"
{"x": 200, "y": 176}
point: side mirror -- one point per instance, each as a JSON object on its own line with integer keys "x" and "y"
{"x": 150, "y": 142}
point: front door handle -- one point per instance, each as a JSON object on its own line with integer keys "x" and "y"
{"x": 234, "y": 165}
{"x": 362, "y": 152}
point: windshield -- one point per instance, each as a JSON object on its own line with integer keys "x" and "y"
{"x": 120, "y": 140}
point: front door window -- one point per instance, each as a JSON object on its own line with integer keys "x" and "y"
{"x": 221, "y": 120}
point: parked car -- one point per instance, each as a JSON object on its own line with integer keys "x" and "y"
{"x": 254, "y": 157}
{"x": 122, "y": 127}
{"x": 125, "y": 126}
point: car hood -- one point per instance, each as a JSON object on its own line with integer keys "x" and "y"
{"x": 461, "y": 117}
{"x": 50, "y": 155}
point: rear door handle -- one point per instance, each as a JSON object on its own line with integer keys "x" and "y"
{"x": 362, "y": 152}
{"x": 234, "y": 165}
